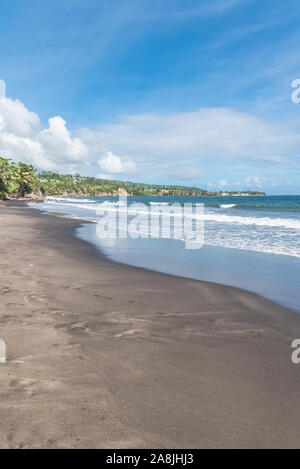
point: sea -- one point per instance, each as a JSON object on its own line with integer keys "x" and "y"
{"x": 250, "y": 242}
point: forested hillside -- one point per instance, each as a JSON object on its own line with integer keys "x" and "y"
{"x": 19, "y": 180}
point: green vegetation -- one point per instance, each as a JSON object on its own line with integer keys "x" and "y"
{"x": 238, "y": 193}
{"x": 54, "y": 184}
{"x": 16, "y": 179}
{"x": 19, "y": 180}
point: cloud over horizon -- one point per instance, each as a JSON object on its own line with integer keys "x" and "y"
{"x": 178, "y": 146}
{"x": 204, "y": 134}
{"x": 22, "y": 138}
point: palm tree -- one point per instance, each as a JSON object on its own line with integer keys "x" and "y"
{"x": 6, "y": 177}
{"x": 25, "y": 178}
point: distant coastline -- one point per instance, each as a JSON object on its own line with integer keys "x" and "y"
{"x": 41, "y": 197}
{"x": 22, "y": 181}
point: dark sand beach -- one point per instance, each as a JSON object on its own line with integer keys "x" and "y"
{"x": 103, "y": 355}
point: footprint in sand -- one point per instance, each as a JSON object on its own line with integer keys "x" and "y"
{"x": 76, "y": 328}
{"x": 72, "y": 346}
{"x": 22, "y": 360}
{"x": 23, "y": 385}
{"x": 97, "y": 295}
{"x": 130, "y": 332}
{"x": 76, "y": 287}
{"x": 30, "y": 387}
{"x": 4, "y": 290}
{"x": 60, "y": 312}
{"x": 8, "y": 319}
{"x": 29, "y": 299}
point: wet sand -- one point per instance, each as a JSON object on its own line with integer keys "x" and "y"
{"x": 103, "y": 355}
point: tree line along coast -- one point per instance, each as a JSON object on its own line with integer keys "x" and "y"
{"x": 21, "y": 180}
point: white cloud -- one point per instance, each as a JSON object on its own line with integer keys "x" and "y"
{"x": 178, "y": 146}
{"x": 22, "y": 139}
{"x": 113, "y": 164}
{"x": 59, "y": 145}
{"x": 223, "y": 182}
{"x": 16, "y": 119}
{"x": 204, "y": 135}
{"x": 255, "y": 181}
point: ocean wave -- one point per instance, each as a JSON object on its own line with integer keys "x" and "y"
{"x": 227, "y": 205}
{"x": 109, "y": 202}
{"x": 274, "y": 208}
{"x": 81, "y": 206}
{"x": 288, "y": 223}
{"x": 69, "y": 199}
{"x": 273, "y": 235}
{"x": 159, "y": 203}
{"x": 242, "y": 244}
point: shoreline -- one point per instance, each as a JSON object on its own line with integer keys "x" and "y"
{"x": 235, "y": 258}
{"x": 81, "y": 223}
{"x": 102, "y": 354}
{"x": 32, "y": 197}
{"x": 265, "y": 264}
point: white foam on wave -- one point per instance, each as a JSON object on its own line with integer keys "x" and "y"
{"x": 275, "y": 236}
{"x": 109, "y": 202}
{"x": 227, "y": 205}
{"x": 280, "y": 247}
{"x": 159, "y": 203}
{"x": 69, "y": 199}
{"x": 288, "y": 223}
{"x": 81, "y": 206}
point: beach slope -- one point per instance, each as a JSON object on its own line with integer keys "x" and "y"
{"x": 103, "y": 355}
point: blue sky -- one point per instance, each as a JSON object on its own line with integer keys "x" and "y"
{"x": 170, "y": 91}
